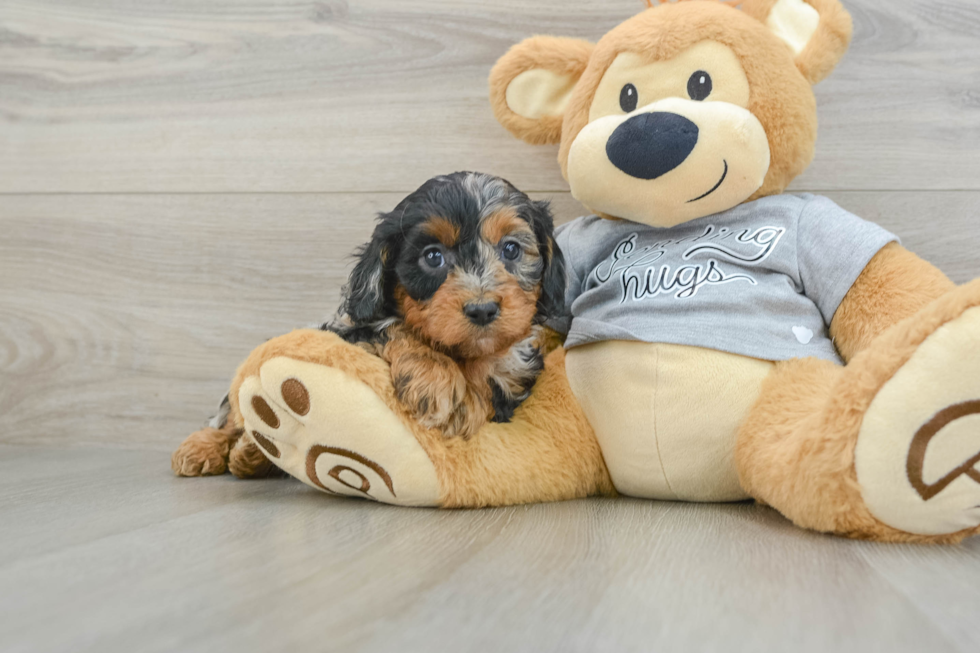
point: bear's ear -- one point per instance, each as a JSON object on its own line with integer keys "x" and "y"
{"x": 530, "y": 86}
{"x": 818, "y": 31}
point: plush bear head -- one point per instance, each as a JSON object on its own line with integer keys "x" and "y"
{"x": 685, "y": 110}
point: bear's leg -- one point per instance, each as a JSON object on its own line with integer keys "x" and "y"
{"x": 886, "y": 448}
{"x": 327, "y": 412}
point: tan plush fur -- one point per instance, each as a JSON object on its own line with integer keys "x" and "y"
{"x": 895, "y": 285}
{"x": 211, "y": 451}
{"x": 781, "y": 96}
{"x": 827, "y": 45}
{"x": 547, "y": 453}
{"x": 796, "y": 449}
{"x": 562, "y": 56}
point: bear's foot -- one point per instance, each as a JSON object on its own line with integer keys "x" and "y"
{"x": 917, "y": 457}
{"x": 334, "y": 433}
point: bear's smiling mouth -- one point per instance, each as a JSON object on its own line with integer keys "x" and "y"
{"x": 720, "y": 181}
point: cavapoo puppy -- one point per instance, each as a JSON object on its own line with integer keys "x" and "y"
{"x": 452, "y": 291}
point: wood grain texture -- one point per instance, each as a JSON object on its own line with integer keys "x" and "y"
{"x": 105, "y": 551}
{"x": 181, "y": 180}
{"x": 377, "y": 95}
{"x": 134, "y": 310}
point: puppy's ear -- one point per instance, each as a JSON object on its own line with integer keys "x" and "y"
{"x": 551, "y": 303}
{"x": 530, "y": 86}
{"x": 367, "y": 289}
{"x": 818, "y": 31}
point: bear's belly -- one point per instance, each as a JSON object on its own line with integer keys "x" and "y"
{"x": 666, "y": 416}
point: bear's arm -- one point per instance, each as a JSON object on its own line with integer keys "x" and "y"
{"x": 893, "y": 286}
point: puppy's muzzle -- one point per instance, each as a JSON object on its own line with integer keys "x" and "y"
{"x": 482, "y": 314}
{"x": 650, "y": 145}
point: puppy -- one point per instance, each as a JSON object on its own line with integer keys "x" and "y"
{"x": 452, "y": 290}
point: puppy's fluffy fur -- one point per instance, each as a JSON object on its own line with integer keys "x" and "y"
{"x": 452, "y": 291}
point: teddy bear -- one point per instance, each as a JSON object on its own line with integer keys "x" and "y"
{"x": 726, "y": 340}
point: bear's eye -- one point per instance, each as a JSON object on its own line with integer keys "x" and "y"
{"x": 433, "y": 257}
{"x": 628, "y": 98}
{"x": 699, "y": 85}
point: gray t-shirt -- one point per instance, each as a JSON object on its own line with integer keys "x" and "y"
{"x": 762, "y": 279}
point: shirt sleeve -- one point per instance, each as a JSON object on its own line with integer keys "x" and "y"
{"x": 573, "y": 279}
{"x": 833, "y": 248}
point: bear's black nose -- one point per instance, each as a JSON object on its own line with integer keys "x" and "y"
{"x": 651, "y": 144}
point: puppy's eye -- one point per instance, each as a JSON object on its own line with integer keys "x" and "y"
{"x": 511, "y": 251}
{"x": 699, "y": 85}
{"x": 433, "y": 257}
{"x": 627, "y": 98}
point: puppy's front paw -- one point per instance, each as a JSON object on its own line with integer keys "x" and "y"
{"x": 246, "y": 460}
{"x": 203, "y": 453}
{"x": 431, "y": 388}
{"x": 470, "y": 415}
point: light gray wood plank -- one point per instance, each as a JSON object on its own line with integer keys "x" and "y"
{"x": 941, "y": 227}
{"x": 377, "y": 95}
{"x": 149, "y": 562}
{"x": 122, "y": 318}
{"x": 135, "y": 310}
{"x": 940, "y": 583}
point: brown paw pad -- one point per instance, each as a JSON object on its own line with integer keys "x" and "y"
{"x": 265, "y": 412}
{"x": 266, "y": 444}
{"x": 296, "y": 396}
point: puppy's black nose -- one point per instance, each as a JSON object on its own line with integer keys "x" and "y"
{"x": 651, "y": 144}
{"x": 482, "y": 314}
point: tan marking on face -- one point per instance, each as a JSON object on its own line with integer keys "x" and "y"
{"x": 443, "y": 230}
{"x": 502, "y": 223}
{"x": 441, "y": 320}
{"x": 517, "y": 310}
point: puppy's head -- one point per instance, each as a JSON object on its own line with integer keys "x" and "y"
{"x": 467, "y": 261}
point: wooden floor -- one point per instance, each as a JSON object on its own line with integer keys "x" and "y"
{"x": 180, "y": 181}
{"x": 103, "y": 550}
